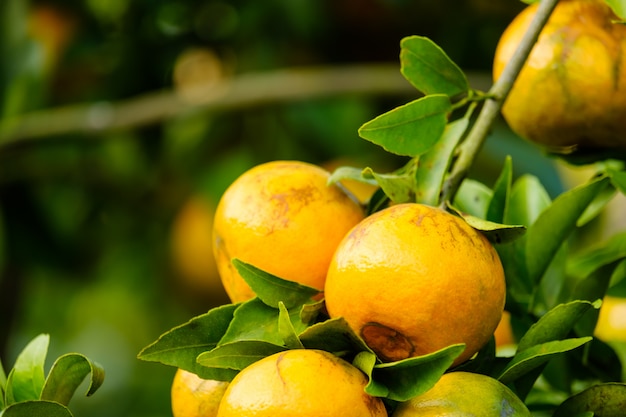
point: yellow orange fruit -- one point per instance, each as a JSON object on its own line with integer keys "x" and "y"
{"x": 572, "y": 90}
{"x": 611, "y": 324}
{"x": 283, "y": 218}
{"x": 412, "y": 279}
{"x": 300, "y": 382}
{"x": 193, "y": 396}
{"x": 191, "y": 248}
{"x": 464, "y": 394}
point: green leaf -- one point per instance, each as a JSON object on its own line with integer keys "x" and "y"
{"x": 555, "y": 324}
{"x": 411, "y": 129}
{"x": 605, "y": 400}
{"x": 560, "y": 218}
{"x": 255, "y": 320}
{"x": 597, "y": 205}
{"x": 527, "y": 201}
{"x": 495, "y": 232}
{"x": 378, "y": 201}
{"x": 619, "y": 348}
{"x": 27, "y": 378}
{"x": 349, "y": 173}
{"x": 429, "y": 69}
{"x": 310, "y": 312}
{"x": 3, "y": 383}
{"x": 533, "y": 357}
{"x": 3, "y": 250}
{"x": 583, "y": 264}
{"x": 410, "y": 377}
{"x": 593, "y": 273}
{"x": 333, "y": 335}
{"x": 497, "y": 208}
{"x": 433, "y": 165}
{"x": 287, "y": 330}
{"x": 618, "y": 179}
{"x": 271, "y": 289}
{"x": 617, "y": 283}
{"x": 181, "y": 345}
{"x": 238, "y": 355}
{"x": 592, "y": 288}
{"x": 398, "y": 186}
{"x": 36, "y": 408}
{"x": 473, "y": 198}
{"x": 365, "y": 361}
{"x": 619, "y": 7}
{"x": 67, "y": 373}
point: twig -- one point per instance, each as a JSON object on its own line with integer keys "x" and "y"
{"x": 491, "y": 108}
{"x": 242, "y": 91}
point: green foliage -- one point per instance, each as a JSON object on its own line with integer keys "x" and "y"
{"x": 27, "y": 391}
{"x": 403, "y": 380}
{"x": 273, "y": 292}
{"x": 429, "y": 69}
{"x": 553, "y": 292}
{"x": 553, "y": 284}
{"x": 606, "y": 400}
{"x": 410, "y": 129}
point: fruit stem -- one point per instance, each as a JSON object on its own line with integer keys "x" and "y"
{"x": 491, "y": 108}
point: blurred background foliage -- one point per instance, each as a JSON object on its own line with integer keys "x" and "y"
{"x": 104, "y": 234}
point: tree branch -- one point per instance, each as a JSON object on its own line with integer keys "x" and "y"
{"x": 491, "y": 108}
{"x": 243, "y": 91}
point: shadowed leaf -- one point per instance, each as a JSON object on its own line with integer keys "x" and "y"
{"x": 271, "y": 289}
{"x": 67, "y": 373}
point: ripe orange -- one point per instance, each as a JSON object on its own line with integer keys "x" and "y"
{"x": 191, "y": 248}
{"x": 283, "y": 218}
{"x": 611, "y": 324}
{"x": 300, "y": 382}
{"x": 464, "y": 394}
{"x": 412, "y": 279}
{"x": 193, "y": 396}
{"x": 572, "y": 90}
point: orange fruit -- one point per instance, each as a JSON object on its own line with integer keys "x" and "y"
{"x": 572, "y": 90}
{"x": 300, "y": 382}
{"x": 611, "y": 324}
{"x": 283, "y": 218}
{"x": 504, "y": 334}
{"x": 464, "y": 394}
{"x": 193, "y": 396}
{"x": 191, "y": 248}
{"x": 412, "y": 279}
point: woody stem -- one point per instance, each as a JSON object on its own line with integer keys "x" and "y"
{"x": 496, "y": 96}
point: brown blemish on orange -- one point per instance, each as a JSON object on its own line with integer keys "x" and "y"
{"x": 389, "y": 344}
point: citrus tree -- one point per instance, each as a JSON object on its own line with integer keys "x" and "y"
{"x": 554, "y": 288}
{"x": 555, "y": 285}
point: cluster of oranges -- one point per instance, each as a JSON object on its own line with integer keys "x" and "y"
{"x": 409, "y": 279}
